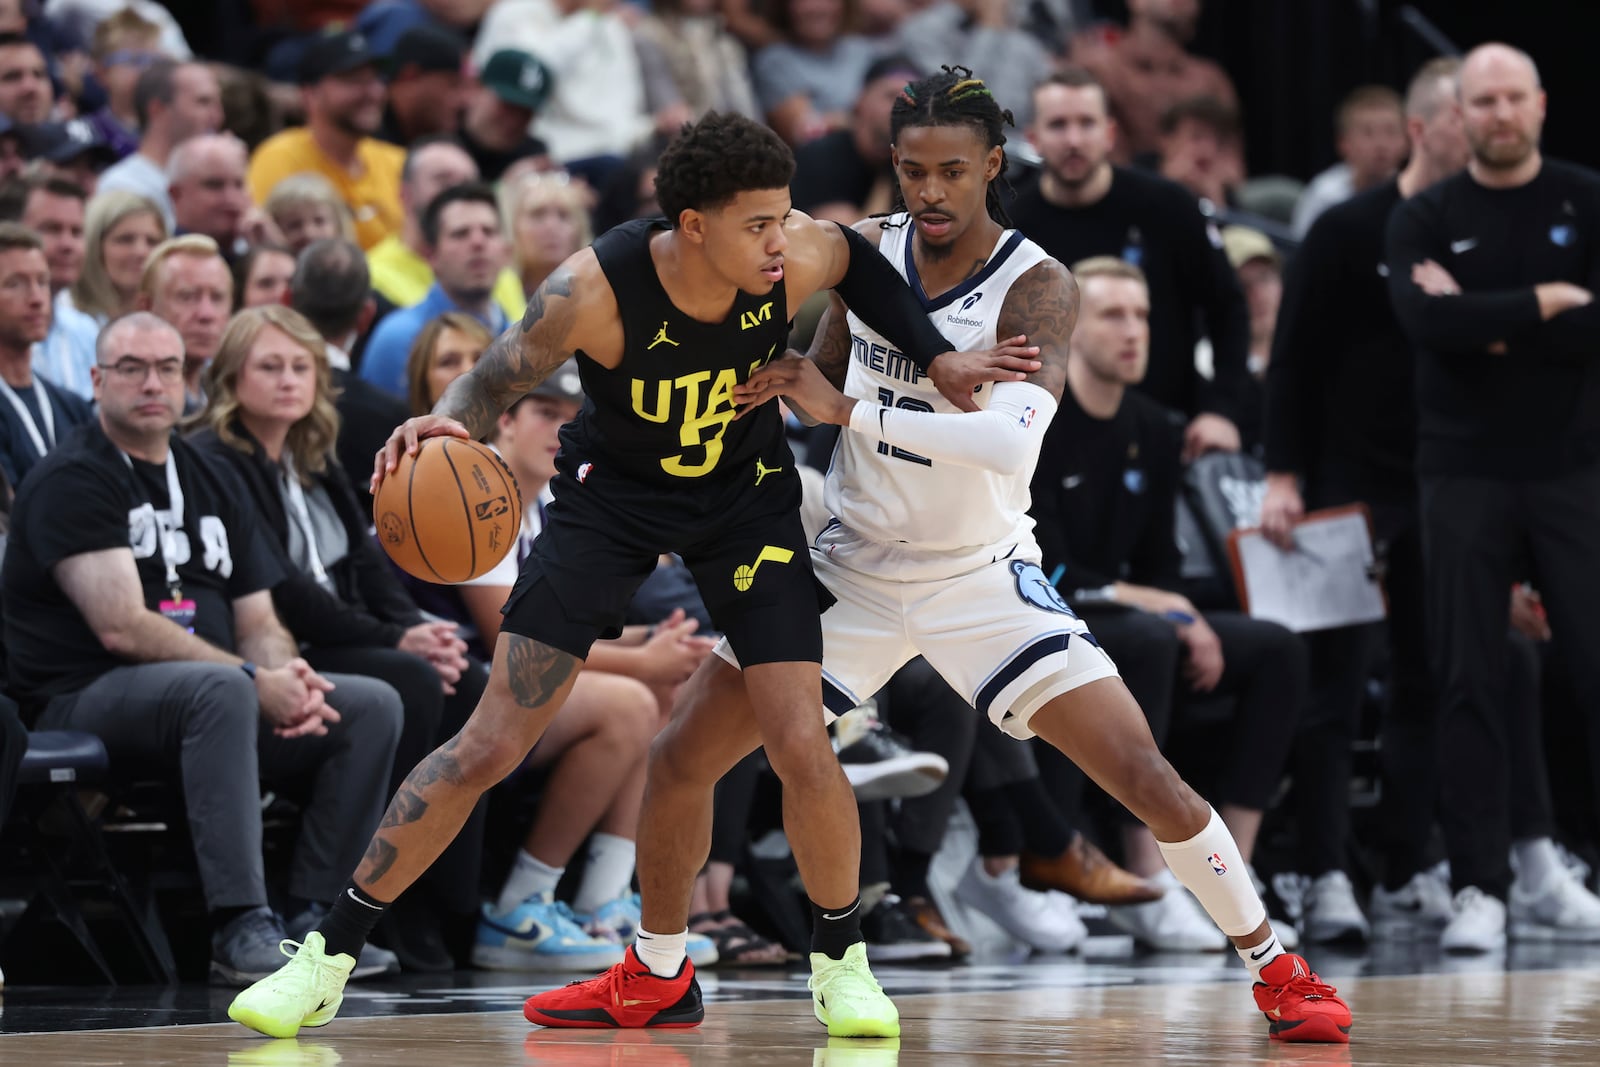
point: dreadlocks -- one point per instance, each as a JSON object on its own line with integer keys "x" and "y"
{"x": 954, "y": 97}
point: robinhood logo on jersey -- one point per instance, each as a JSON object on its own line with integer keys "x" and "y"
{"x": 884, "y": 360}
{"x": 958, "y": 317}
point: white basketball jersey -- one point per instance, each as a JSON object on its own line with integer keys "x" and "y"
{"x": 890, "y": 496}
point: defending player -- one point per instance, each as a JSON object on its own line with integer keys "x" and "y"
{"x": 931, "y": 552}
{"x": 666, "y": 317}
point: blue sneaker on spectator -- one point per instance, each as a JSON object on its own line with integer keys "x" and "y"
{"x": 540, "y": 934}
{"x": 618, "y": 920}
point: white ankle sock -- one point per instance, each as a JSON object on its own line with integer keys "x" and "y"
{"x": 662, "y": 953}
{"x": 608, "y": 873}
{"x": 528, "y": 877}
{"x": 1258, "y": 956}
{"x": 1209, "y": 866}
{"x": 1537, "y": 861}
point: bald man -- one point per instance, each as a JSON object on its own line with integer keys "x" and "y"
{"x": 1492, "y": 275}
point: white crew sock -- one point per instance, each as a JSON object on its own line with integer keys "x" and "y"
{"x": 1537, "y": 861}
{"x": 1258, "y": 956}
{"x": 607, "y": 875}
{"x": 662, "y": 953}
{"x": 1209, "y": 866}
{"x": 529, "y": 877}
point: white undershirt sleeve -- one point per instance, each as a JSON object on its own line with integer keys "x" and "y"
{"x": 1005, "y": 438}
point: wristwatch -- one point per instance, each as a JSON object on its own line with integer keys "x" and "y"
{"x": 248, "y": 668}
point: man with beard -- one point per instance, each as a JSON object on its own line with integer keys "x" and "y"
{"x": 1147, "y": 68}
{"x": 344, "y": 97}
{"x": 1084, "y": 206}
{"x": 1492, "y": 274}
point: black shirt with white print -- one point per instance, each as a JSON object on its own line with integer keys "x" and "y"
{"x": 87, "y": 496}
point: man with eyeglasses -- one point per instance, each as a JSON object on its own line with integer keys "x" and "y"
{"x": 138, "y": 607}
{"x": 34, "y": 413}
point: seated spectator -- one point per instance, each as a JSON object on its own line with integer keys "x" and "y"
{"x": 53, "y": 209}
{"x": 83, "y": 16}
{"x": 1113, "y": 446}
{"x": 548, "y": 221}
{"x": 343, "y": 93}
{"x": 306, "y": 208}
{"x": 466, "y": 247}
{"x": 120, "y": 230}
{"x": 512, "y": 87}
{"x": 808, "y": 82}
{"x": 12, "y": 159}
{"x": 270, "y": 417}
{"x": 1147, "y": 68}
{"x": 261, "y": 276}
{"x": 847, "y": 174}
{"x": 173, "y": 102}
{"x": 37, "y": 414}
{"x": 987, "y": 37}
{"x": 207, "y": 682}
{"x": 124, "y": 46}
{"x": 1370, "y": 135}
{"x": 1200, "y": 149}
{"x": 1260, "y": 270}
{"x": 427, "y": 87}
{"x": 692, "y": 64}
{"x": 445, "y": 349}
{"x": 73, "y": 151}
{"x": 594, "y": 115}
{"x": 205, "y": 179}
{"x": 26, "y": 96}
{"x": 400, "y": 273}
{"x": 187, "y": 284}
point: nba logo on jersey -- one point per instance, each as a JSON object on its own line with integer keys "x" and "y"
{"x": 1216, "y": 863}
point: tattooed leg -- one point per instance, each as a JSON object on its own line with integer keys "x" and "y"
{"x": 528, "y": 683}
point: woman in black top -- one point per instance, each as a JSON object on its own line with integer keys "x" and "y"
{"x": 270, "y": 415}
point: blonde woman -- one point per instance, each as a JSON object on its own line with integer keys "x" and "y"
{"x": 447, "y": 348}
{"x": 548, "y": 219}
{"x": 119, "y": 230}
{"x": 306, "y": 208}
{"x": 270, "y": 418}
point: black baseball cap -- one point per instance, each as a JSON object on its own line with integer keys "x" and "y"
{"x": 64, "y": 142}
{"x": 336, "y": 53}
{"x": 428, "y": 48}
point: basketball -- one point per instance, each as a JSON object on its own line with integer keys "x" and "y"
{"x": 449, "y": 513}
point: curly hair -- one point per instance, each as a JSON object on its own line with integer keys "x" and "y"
{"x": 953, "y": 97}
{"x": 715, "y": 159}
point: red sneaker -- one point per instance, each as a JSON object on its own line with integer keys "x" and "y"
{"x": 626, "y": 996}
{"x": 1300, "y": 1006}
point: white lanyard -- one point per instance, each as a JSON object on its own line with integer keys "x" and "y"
{"x": 26, "y": 416}
{"x": 302, "y": 518}
{"x": 165, "y": 536}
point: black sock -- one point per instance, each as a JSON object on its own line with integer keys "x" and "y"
{"x": 832, "y": 932}
{"x": 349, "y": 922}
{"x": 911, "y": 873}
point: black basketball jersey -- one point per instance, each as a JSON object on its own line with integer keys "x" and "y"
{"x": 664, "y": 415}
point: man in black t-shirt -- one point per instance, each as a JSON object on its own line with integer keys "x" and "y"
{"x": 512, "y": 87}
{"x": 1493, "y": 274}
{"x": 1104, "y": 496}
{"x": 137, "y": 607}
{"x": 845, "y": 175}
{"x": 1084, "y": 206}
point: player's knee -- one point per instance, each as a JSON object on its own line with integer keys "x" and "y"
{"x": 632, "y": 715}
{"x": 800, "y": 754}
{"x": 1155, "y": 792}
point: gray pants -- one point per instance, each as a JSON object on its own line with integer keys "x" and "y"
{"x": 203, "y": 721}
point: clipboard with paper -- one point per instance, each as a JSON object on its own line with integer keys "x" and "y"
{"x": 1330, "y": 579}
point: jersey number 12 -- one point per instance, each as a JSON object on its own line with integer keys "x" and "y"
{"x": 905, "y": 403}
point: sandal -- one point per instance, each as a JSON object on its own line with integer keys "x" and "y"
{"x": 737, "y": 944}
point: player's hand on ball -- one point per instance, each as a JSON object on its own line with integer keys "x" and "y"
{"x": 957, "y": 375}
{"x": 405, "y": 439}
{"x": 801, "y": 384}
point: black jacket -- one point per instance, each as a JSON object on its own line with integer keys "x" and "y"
{"x": 371, "y": 609}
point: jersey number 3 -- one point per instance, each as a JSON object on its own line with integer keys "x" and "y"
{"x": 887, "y": 399}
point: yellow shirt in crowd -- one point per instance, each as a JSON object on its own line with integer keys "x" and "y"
{"x": 373, "y": 193}
{"x": 404, "y": 278}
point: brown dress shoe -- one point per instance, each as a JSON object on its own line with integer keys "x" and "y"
{"x": 1088, "y": 874}
{"x": 926, "y": 914}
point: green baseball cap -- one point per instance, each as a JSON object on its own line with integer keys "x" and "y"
{"x": 518, "y": 78}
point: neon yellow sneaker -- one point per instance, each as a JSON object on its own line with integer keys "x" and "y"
{"x": 847, "y": 999}
{"x": 306, "y": 991}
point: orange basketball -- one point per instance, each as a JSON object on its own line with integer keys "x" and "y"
{"x": 449, "y": 513}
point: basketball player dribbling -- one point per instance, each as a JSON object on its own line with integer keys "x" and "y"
{"x": 667, "y": 317}
{"x": 931, "y": 552}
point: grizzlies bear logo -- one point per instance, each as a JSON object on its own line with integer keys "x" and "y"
{"x": 1034, "y": 588}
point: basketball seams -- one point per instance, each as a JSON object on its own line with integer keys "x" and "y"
{"x": 466, "y": 509}
{"x": 411, "y": 513}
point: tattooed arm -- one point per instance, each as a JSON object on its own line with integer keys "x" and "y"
{"x": 1043, "y": 304}
{"x": 830, "y": 344}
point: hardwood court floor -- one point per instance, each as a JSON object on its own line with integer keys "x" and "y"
{"x": 1051, "y": 1013}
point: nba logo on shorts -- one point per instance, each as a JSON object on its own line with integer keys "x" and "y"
{"x": 1215, "y": 859}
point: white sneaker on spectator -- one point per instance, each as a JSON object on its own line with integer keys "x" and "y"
{"x": 1175, "y": 923}
{"x": 1479, "y": 923}
{"x": 1562, "y": 909}
{"x": 1026, "y": 915}
{"x": 1423, "y": 904}
{"x": 1331, "y": 912}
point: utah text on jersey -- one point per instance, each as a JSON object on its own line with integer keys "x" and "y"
{"x": 700, "y": 405}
